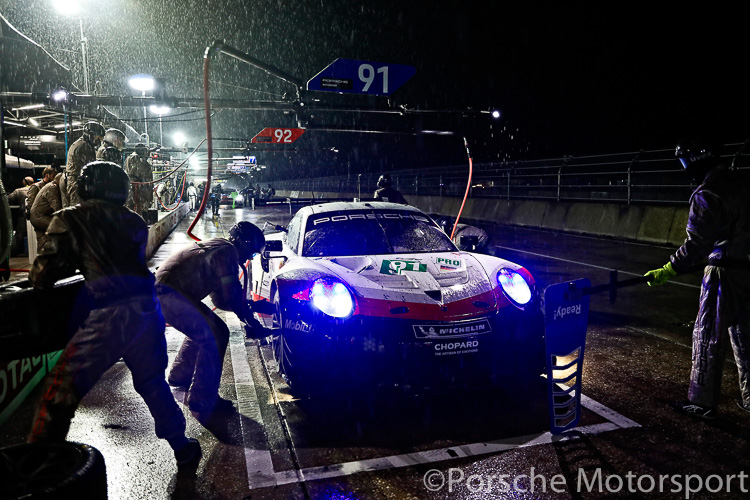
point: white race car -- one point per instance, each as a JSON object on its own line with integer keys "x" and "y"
{"x": 375, "y": 293}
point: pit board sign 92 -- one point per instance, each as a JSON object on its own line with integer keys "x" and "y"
{"x": 278, "y": 135}
{"x": 361, "y": 77}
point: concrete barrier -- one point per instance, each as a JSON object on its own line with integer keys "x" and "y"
{"x": 158, "y": 232}
{"x": 646, "y": 223}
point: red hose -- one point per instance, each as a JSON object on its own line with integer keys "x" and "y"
{"x": 207, "y": 101}
{"x": 468, "y": 188}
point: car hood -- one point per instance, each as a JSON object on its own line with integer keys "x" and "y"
{"x": 450, "y": 285}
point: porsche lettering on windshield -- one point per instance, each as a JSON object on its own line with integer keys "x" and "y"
{"x": 368, "y": 216}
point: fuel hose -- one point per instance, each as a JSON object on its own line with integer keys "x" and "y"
{"x": 468, "y": 188}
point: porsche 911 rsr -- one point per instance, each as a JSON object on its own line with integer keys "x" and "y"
{"x": 376, "y": 293}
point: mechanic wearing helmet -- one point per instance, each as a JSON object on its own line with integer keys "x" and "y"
{"x": 467, "y": 238}
{"x": 80, "y": 153}
{"x": 107, "y": 243}
{"x": 139, "y": 170}
{"x": 112, "y": 145}
{"x": 182, "y": 282}
{"x": 718, "y": 228}
{"x": 386, "y": 193}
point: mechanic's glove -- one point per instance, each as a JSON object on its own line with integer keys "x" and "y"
{"x": 5, "y": 270}
{"x": 255, "y": 330}
{"x": 661, "y": 275}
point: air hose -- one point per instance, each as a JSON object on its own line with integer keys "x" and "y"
{"x": 468, "y": 188}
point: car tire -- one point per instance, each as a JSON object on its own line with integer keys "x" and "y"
{"x": 52, "y": 470}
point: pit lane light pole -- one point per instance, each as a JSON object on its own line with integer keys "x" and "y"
{"x": 72, "y": 8}
{"x": 160, "y": 110}
{"x": 144, "y": 83}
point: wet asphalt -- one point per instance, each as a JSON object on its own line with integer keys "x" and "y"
{"x": 470, "y": 443}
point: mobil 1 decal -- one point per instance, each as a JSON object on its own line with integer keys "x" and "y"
{"x": 399, "y": 266}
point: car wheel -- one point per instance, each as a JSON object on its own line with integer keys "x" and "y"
{"x": 52, "y": 470}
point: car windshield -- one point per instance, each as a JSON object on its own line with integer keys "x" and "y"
{"x": 372, "y": 232}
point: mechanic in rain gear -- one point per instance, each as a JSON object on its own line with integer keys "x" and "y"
{"x": 107, "y": 243}
{"x": 468, "y": 238}
{"x": 216, "y": 198}
{"x": 182, "y": 282}
{"x": 80, "y": 153}
{"x": 141, "y": 196}
{"x": 112, "y": 146}
{"x": 718, "y": 228}
{"x": 387, "y": 193}
{"x": 46, "y": 203}
{"x": 48, "y": 175}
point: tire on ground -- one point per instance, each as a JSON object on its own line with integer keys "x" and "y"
{"x": 52, "y": 470}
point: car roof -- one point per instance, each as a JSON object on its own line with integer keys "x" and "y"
{"x": 338, "y": 206}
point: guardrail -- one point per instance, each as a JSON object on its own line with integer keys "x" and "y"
{"x": 649, "y": 177}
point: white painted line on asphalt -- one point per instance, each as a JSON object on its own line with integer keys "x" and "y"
{"x": 615, "y": 421}
{"x": 258, "y": 461}
{"x": 672, "y": 282}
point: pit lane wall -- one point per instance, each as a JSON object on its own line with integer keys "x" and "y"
{"x": 19, "y": 377}
{"x": 645, "y": 223}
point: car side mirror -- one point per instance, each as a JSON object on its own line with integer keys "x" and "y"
{"x": 271, "y": 246}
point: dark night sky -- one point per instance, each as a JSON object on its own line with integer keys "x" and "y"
{"x": 570, "y": 77}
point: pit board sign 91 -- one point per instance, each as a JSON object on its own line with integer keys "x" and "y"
{"x": 361, "y": 77}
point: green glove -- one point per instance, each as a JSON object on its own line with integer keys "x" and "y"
{"x": 661, "y": 275}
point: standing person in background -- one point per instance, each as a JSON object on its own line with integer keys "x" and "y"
{"x": 80, "y": 153}
{"x": 48, "y": 175}
{"x": 46, "y": 203}
{"x": 718, "y": 229}
{"x": 139, "y": 169}
{"x": 192, "y": 196}
{"x": 18, "y": 197}
{"x": 387, "y": 193}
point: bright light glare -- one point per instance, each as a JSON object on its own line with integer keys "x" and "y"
{"x": 60, "y": 95}
{"x": 67, "y": 7}
{"x": 332, "y": 298}
{"x": 179, "y": 138}
{"x": 514, "y": 286}
{"x": 142, "y": 82}
{"x": 239, "y": 198}
{"x": 159, "y": 110}
{"x": 495, "y": 114}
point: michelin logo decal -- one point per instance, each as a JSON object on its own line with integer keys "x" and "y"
{"x": 452, "y": 330}
{"x": 561, "y": 312}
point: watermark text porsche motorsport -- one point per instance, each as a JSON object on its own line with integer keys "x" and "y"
{"x": 586, "y": 481}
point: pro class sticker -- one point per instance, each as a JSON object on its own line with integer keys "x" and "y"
{"x": 452, "y": 330}
{"x": 448, "y": 264}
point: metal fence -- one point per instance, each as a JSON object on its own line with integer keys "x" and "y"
{"x": 652, "y": 177}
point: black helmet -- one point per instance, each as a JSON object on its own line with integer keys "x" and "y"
{"x": 93, "y": 129}
{"x": 104, "y": 180}
{"x": 384, "y": 181}
{"x": 141, "y": 150}
{"x": 110, "y": 153}
{"x": 115, "y": 137}
{"x": 697, "y": 156}
{"x": 247, "y": 238}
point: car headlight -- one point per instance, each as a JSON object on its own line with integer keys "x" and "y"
{"x": 514, "y": 286}
{"x": 332, "y": 298}
{"x": 239, "y": 198}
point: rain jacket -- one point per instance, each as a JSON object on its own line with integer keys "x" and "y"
{"x": 718, "y": 228}
{"x": 80, "y": 153}
{"x": 141, "y": 195}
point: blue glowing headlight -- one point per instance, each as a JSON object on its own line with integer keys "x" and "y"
{"x": 514, "y": 286}
{"x": 332, "y": 298}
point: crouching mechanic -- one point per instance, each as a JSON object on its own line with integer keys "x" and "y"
{"x": 107, "y": 243}
{"x": 718, "y": 229}
{"x": 207, "y": 268}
